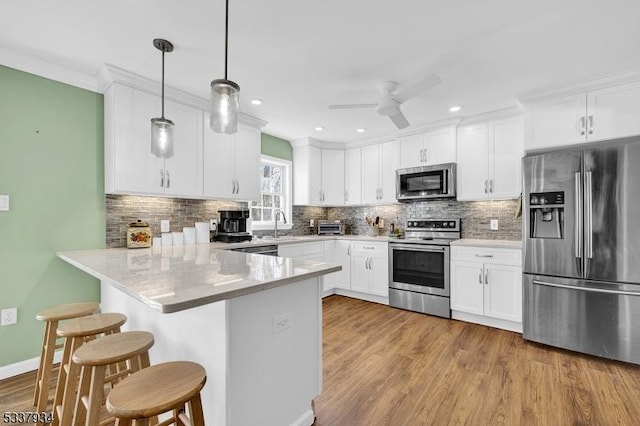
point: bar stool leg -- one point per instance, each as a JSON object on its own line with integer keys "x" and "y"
{"x": 95, "y": 395}
{"x": 67, "y": 384}
{"x": 195, "y": 411}
{"x": 43, "y": 381}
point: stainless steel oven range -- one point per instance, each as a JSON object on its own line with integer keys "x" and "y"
{"x": 419, "y": 266}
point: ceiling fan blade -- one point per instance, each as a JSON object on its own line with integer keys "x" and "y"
{"x": 399, "y": 120}
{"x": 352, "y": 106}
{"x": 408, "y": 91}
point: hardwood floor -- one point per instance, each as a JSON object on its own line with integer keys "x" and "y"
{"x": 384, "y": 366}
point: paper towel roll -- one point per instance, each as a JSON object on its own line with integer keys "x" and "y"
{"x": 178, "y": 238}
{"x": 167, "y": 239}
{"x": 189, "y": 235}
{"x": 202, "y": 232}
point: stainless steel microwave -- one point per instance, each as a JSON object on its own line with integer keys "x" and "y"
{"x": 427, "y": 182}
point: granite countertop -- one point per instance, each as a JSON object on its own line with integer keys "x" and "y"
{"x": 171, "y": 279}
{"x": 488, "y": 243}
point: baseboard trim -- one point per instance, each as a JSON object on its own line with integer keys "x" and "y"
{"x": 306, "y": 419}
{"x": 25, "y": 366}
{"x": 490, "y": 322}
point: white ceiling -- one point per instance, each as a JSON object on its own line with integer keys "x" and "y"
{"x": 299, "y": 56}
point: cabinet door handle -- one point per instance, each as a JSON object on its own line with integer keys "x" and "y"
{"x": 484, "y": 255}
{"x": 161, "y": 178}
{"x": 480, "y": 277}
{"x": 424, "y": 157}
{"x": 168, "y": 179}
{"x": 486, "y": 276}
{"x": 486, "y": 186}
{"x": 368, "y": 247}
{"x": 380, "y": 194}
{"x": 591, "y": 124}
{"x": 583, "y": 125}
{"x": 491, "y": 186}
{"x": 233, "y": 185}
{"x": 237, "y": 186}
{"x": 349, "y": 250}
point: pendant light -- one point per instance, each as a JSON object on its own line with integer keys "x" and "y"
{"x": 162, "y": 128}
{"x": 225, "y": 94}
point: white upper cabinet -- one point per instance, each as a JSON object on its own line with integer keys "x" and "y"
{"x": 130, "y": 168}
{"x": 433, "y": 147}
{"x": 318, "y": 176}
{"x": 333, "y": 170}
{"x": 232, "y": 164}
{"x": 353, "y": 176}
{"x": 379, "y": 165}
{"x": 489, "y": 160}
{"x": 585, "y": 117}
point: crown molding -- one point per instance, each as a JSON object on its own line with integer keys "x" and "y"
{"x": 42, "y": 68}
{"x": 580, "y": 87}
{"x": 501, "y": 114}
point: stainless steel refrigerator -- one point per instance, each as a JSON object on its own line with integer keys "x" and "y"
{"x": 582, "y": 249}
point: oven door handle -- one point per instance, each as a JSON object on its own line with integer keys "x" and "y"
{"x": 417, "y": 247}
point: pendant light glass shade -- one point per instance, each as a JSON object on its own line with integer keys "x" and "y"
{"x": 225, "y": 106}
{"x": 161, "y": 127}
{"x": 162, "y": 137}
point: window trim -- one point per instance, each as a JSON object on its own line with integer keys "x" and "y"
{"x": 287, "y": 190}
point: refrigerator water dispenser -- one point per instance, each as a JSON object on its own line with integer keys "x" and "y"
{"x": 547, "y": 214}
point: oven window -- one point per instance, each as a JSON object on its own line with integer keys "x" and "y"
{"x": 422, "y": 268}
{"x": 423, "y": 183}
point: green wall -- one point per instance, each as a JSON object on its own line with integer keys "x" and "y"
{"x": 51, "y": 165}
{"x": 276, "y": 147}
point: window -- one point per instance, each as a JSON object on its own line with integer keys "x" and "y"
{"x": 275, "y": 188}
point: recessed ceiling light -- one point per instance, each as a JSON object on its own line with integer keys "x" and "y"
{"x": 455, "y": 108}
{"x": 319, "y": 129}
{"x": 361, "y": 130}
{"x": 256, "y": 101}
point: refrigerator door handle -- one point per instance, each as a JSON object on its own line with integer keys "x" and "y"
{"x": 583, "y": 126}
{"x": 588, "y": 217}
{"x": 578, "y": 217}
{"x": 591, "y": 289}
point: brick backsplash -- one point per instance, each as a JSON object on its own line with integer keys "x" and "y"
{"x": 474, "y": 215}
{"x": 124, "y": 209}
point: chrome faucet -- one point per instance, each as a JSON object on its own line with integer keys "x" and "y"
{"x": 284, "y": 219}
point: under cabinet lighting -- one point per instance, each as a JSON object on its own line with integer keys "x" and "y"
{"x": 455, "y": 108}
{"x": 256, "y": 101}
{"x": 361, "y": 130}
{"x": 319, "y": 129}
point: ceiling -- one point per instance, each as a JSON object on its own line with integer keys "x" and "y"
{"x": 299, "y": 56}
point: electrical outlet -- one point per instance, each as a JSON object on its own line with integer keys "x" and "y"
{"x": 281, "y": 322}
{"x": 213, "y": 224}
{"x": 493, "y": 224}
{"x": 165, "y": 225}
{"x": 9, "y": 316}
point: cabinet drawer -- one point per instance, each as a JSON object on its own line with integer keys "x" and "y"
{"x": 299, "y": 250}
{"x": 373, "y": 249}
{"x": 487, "y": 255}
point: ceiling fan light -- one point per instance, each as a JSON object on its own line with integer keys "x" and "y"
{"x": 225, "y": 106}
{"x": 162, "y": 137}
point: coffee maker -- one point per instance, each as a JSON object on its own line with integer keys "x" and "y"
{"x": 232, "y": 226}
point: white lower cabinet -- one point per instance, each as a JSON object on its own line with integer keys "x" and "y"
{"x": 370, "y": 268}
{"x": 486, "y": 286}
{"x": 338, "y": 251}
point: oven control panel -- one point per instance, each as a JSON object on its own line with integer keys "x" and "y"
{"x": 433, "y": 224}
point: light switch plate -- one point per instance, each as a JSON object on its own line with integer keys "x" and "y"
{"x": 4, "y": 203}
{"x": 165, "y": 226}
{"x": 494, "y": 224}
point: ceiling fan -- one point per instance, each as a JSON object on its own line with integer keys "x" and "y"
{"x": 393, "y": 95}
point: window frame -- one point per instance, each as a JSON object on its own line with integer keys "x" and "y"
{"x": 287, "y": 192}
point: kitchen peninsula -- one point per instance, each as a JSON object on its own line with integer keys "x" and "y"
{"x": 254, "y": 322}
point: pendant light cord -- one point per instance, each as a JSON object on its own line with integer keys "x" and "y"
{"x": 226, "y": 37}
{"x": 163, "y": 50}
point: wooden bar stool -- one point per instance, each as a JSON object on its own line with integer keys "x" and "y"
{"x": 77, "y": 331}
{"x": 160, "y": 389}
{"x": 129, "y": 347}
{"x": 51, "y": 316}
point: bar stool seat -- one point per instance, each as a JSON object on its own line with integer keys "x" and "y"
{"x": 51, "y": 316}
{"x": 76, "y": 331}
{"x": 96, "y": 357}
{"x": 159, "y": 389}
